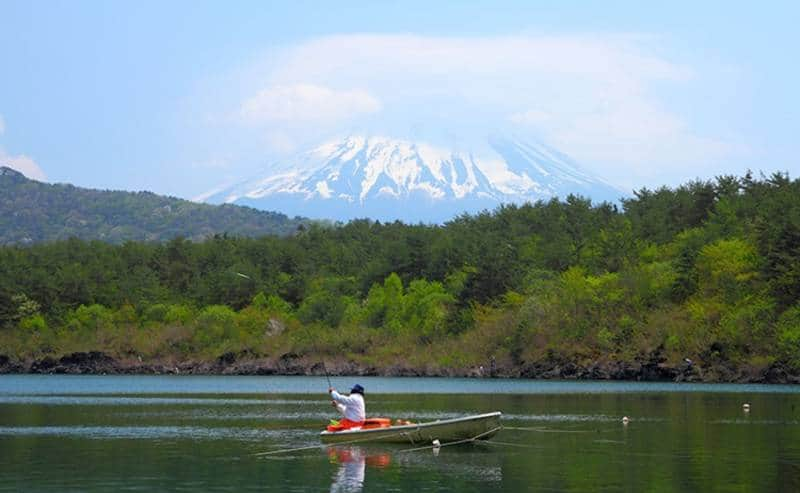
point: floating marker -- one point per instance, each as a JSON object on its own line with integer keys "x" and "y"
{"x": 625, "y": 420}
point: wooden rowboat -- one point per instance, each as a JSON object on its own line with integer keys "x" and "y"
{"x": 479, "y": 427}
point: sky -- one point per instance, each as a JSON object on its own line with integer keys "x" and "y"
{"x": 181, "y": 97}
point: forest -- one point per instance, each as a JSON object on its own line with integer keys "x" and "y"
{"x": 35, "y": 212}
{"x": 706, "y": 273}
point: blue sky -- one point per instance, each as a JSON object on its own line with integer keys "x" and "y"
{"x": 178, "y": 97}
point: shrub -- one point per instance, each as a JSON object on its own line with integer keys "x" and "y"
{"x": 156, "y": 313}
{"x": 33, "y": 323}
{"x": 788, "y": 329}
{"x": 178, "y": 314}
{"x": 214, "y": 324}
{"x": 91, "y": 319}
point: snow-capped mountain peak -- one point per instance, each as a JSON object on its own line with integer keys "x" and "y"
{"x": 387, "y": 178}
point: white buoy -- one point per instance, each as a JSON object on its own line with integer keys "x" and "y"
{"x": 437, "y": 443}
{"x": 625, "y": 420}
{"x": 746, "y": 407}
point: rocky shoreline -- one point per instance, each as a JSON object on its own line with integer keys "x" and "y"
{"x": 652, "y": 369}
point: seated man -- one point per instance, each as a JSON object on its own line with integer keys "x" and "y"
{"x": 351, "y": 406}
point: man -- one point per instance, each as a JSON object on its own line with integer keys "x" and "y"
{"x": 351, "y": 406}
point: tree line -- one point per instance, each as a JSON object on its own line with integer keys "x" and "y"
{"x": 709, "y": 270}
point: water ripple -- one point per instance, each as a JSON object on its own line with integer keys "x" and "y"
{"x": 153, "y": 432}
{"x": 158, "y": 401}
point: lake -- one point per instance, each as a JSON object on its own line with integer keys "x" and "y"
{"x": 189, "y": 433}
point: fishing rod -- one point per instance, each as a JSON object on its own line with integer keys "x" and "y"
{"x": 325, "y": 369}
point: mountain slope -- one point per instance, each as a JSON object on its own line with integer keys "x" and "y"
{"x": 31, "y": 211}
{"x": 390, "y": 179}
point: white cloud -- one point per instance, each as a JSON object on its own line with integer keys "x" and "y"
{"x": 303, "y": 102}
{"x": 280, "y": 141}
{"x": 531, "y": 117}
{"x": 600, "y": 98}
{"x": 466, "y": 60}
{"x": 24, "y": 164}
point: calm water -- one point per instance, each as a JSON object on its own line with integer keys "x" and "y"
{"x": 142, "y": 433}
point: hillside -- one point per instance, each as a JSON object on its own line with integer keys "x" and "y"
{"x": 33, "y": 212}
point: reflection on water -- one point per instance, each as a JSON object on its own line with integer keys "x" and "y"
{"x": 357, "y": 462}
{"x": 352, "y": 461}
{"x": 114, "y": 433}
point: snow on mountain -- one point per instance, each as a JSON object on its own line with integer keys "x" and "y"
{"x": 388, "y": 179}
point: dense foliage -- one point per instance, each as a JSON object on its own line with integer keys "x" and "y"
{"x": 32, "y": 212}
{"x": 708, "y": 271}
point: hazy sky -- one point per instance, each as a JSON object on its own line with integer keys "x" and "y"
{"x": 178, "y": 97}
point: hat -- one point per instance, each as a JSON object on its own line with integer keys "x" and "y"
{"x": 357, "y": 389}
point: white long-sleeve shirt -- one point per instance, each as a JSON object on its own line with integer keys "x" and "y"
{"x": 351, "y": 406}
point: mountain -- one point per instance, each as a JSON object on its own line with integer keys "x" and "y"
{"x": 388, "y": 179}
{"x": 31, "y": 211}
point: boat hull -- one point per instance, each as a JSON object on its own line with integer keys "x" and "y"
{"x": 481, "y": 426}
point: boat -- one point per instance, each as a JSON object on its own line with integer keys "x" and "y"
{"x": 477, "y": 427}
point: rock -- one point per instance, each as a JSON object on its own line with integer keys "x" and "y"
{"x": 657, "y": 372}
{"x": 597, "y": 372}
{"x": 92, "y": 362}
{"x": 7, "y": 365}
{"x": 226, "y": 359}
{"x": 400, "y": 371}
{"x": 622, "y": 370}
{"x": 91, "y": 358}
{"x": 44, "y": 365}
{"x": 688, "y": 373}
{"x": 776, "y": 373}
{"x": 274, "y": 328}
{"x": 649, "y": 366}
{"x": 253, "y": 367}
{"x": 290, "y": 364}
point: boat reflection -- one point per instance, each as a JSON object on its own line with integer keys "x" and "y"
{"x": 466, "y": 463}
{"x": 352, "y": 465}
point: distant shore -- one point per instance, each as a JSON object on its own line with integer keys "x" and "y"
{"x": 99, "y": 363}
